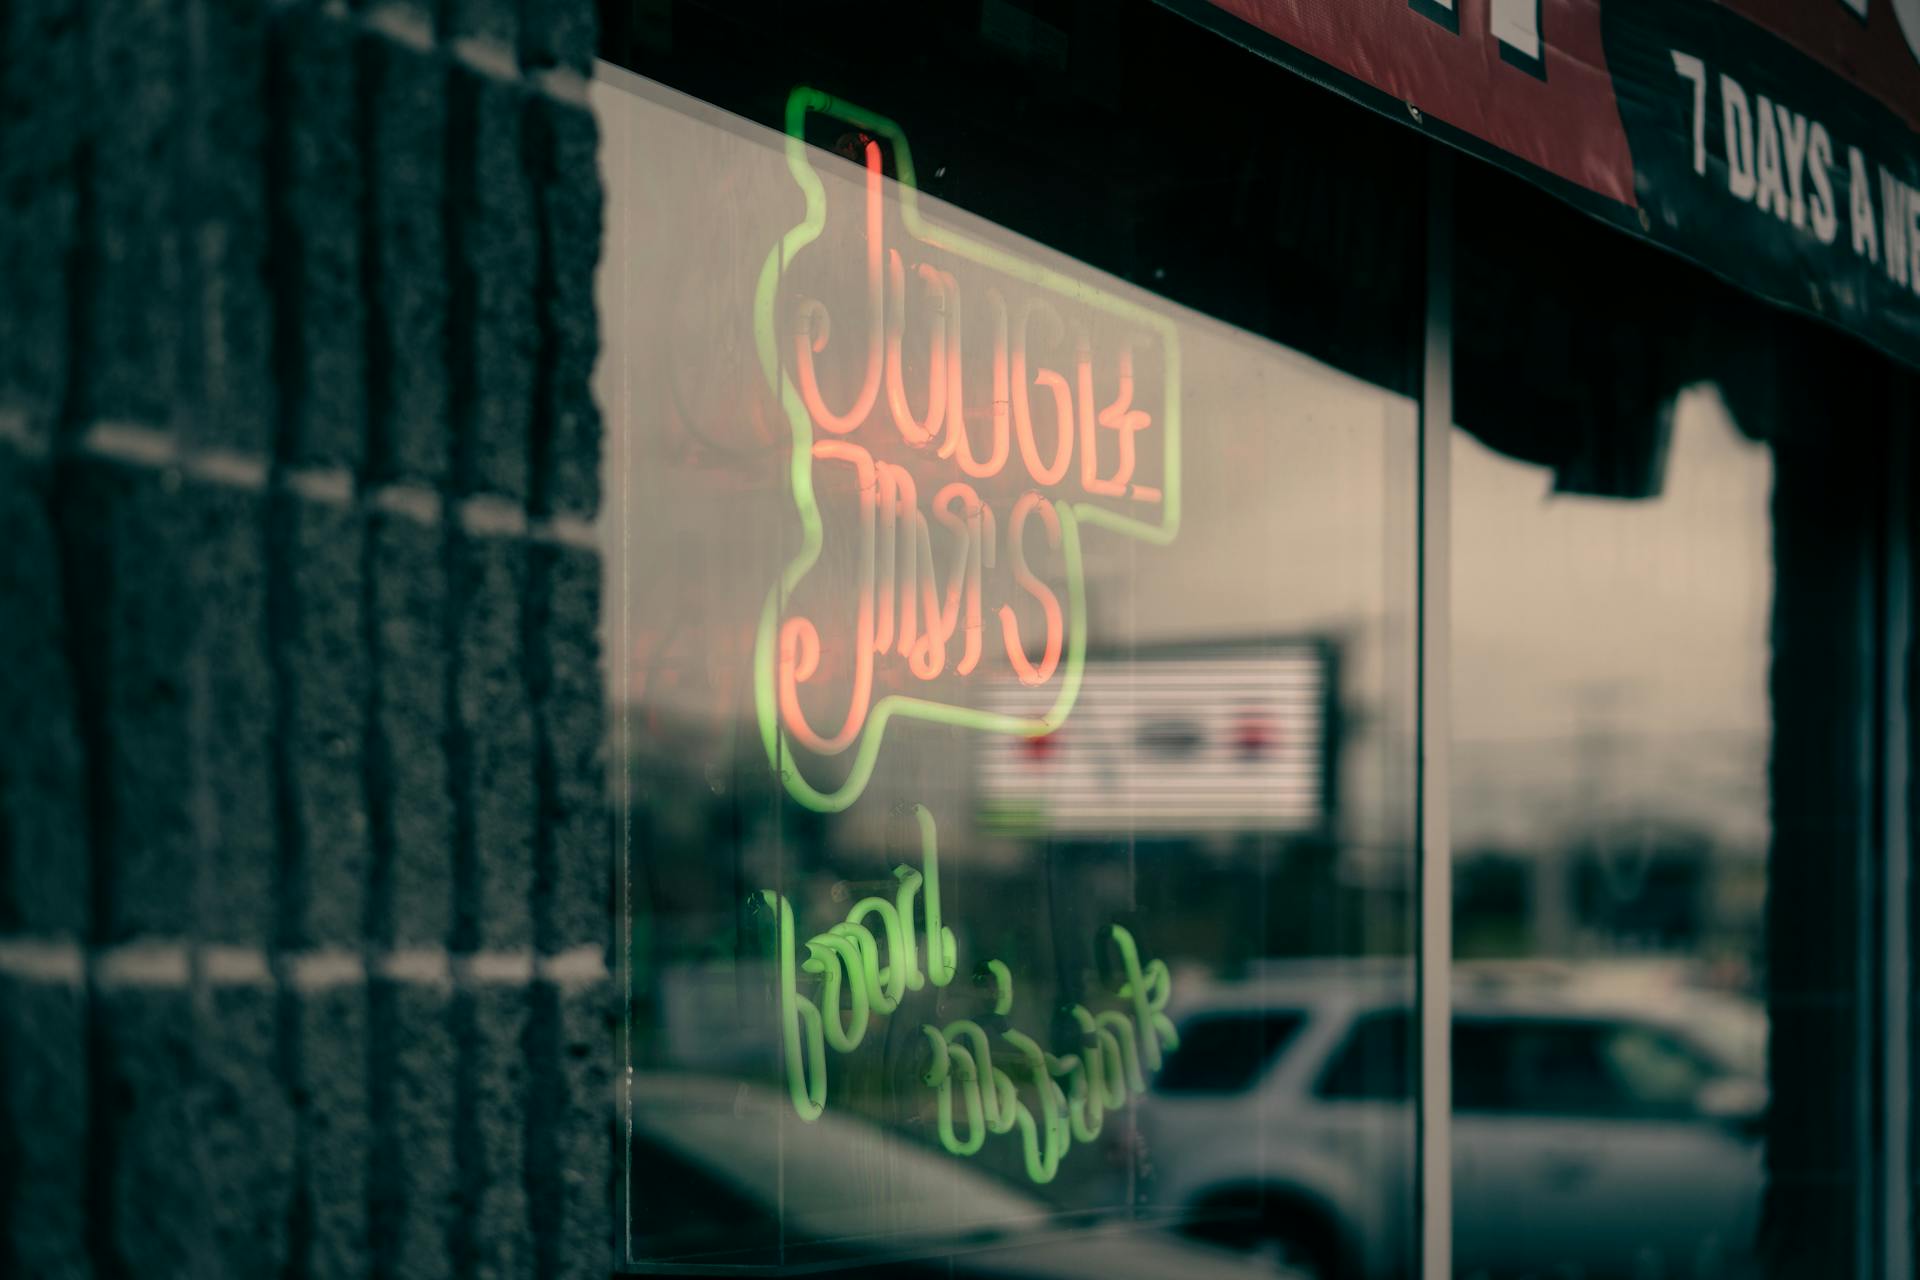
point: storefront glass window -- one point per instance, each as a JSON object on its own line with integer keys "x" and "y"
{"x": 1014, "y": 714}
{"x": 1661, "y": 799}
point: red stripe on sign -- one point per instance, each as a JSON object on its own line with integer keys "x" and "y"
{"x": 1450, "y": 60}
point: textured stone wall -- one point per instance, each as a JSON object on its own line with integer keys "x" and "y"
{"x": 303, "y": 862}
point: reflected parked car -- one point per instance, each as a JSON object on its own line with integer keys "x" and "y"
{"x": 723, "y": 1174}
{"x": 1600, "y": 1128}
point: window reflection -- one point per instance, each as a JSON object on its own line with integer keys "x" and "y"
{"x": 1014, "y": 684}
{"x": 1610, "y": 811}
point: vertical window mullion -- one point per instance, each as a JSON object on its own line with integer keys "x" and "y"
{"x": 1895, "y": 1171}
{"x": 1433, "y": 1169}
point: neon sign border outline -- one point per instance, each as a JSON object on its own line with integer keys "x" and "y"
{"x": 866, "y": 754}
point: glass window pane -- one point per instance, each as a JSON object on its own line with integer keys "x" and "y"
{"x": 1375, "y": 1062}
{"x": 1014, "y": 692}
{"x": 1226, "y": 1053}
{"x": 1665, "y": 650}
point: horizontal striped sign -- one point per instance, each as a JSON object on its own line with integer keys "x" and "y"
{"x": 1220, "y": 742}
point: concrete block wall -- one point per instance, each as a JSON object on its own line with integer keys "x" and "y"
{"x": 304, "y": 874}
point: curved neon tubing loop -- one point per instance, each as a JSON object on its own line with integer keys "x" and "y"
{"x": 800, "y": 1026}
{"x": 958, "y": 446}
{"x": 1149, "y": 989}
{"x": 973, "y": 528}
{"x": 1086, "y": 1110}
{"x": 1122, "y": 1029}
{"x": 898, "y": 548}
{"x": 998, "y": 1100}
{"x": 1042, "y": 1151}
{"x": 800, "y": 639}
{"x": 1002, "y": 986}
{"x": 886, "y": 985}
{"x": 1119, "y": 417}
{"x": 1104, "y": 1068}
{"x": 831, "y": 954}
{"x": 908, "y": 965}
{"x": 867, "y": 752}
{"x": 942, "y": 951}
{"x": 1056, "y": 471}
{"x": 1029, "y": 674}
{"x": 939, "y": 1057}
{"x": 967, "y": 1073}
{"x": 915, "y": 431}
{"x": 814, "y": 325}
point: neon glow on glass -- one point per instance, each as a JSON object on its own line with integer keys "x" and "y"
{"x": 867, "y": 968}
{"x": 895, "y": 551}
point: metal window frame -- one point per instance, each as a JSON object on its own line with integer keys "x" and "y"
{"x": 1433, "y": 704}
{"x": 1893, "y": 1170}
{"x": 1889, "y": 1165}
{"x": 1886, "y": 1171}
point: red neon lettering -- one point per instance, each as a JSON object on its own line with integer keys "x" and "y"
{"x": 903, "y": 606}
{"x": 800, "y": 639}
{"x": 1118, "y": 416}
{"x": 899, "y": 506}
{"x": 939, "y": 288}
{"x": 928, "y": 656}
{"x": 974, "y": 526}
{"x": 1022, "y": 409}
{"x": 906, "y": 607}
{"x": 1056, "y": 626}
{"x": 815, "y": 325}
{"x": 958, "y": 446}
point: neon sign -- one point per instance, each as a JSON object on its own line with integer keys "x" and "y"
{"x": 874, "y": 973}
{"x": 914, "y": 607}
{"x": 933, "y": 489}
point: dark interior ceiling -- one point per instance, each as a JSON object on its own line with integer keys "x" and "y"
{"x": 1125, "y": 135}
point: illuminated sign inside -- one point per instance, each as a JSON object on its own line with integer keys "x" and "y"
{"x": 1185, "y": 739}
{"x": 958, "y": 418}
{"x": 1094, "y": 451}
{"x": 1117, "y": 1048}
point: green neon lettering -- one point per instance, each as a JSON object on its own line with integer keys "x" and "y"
{"x": 847, "y": 959}
{"x": 1149, "y": 990}
{"x": 868, "y": 963}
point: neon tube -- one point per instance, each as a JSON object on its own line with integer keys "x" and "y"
{"x": 815, "y": 324}
{"x": 942, "y": 335}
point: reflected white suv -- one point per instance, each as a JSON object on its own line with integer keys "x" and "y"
{"x": 1600, "y": 1128}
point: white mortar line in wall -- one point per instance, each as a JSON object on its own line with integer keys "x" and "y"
{"x": 401, "y": 24}
{"x": 161, "y": 965}
{"x": 494, "y": 969}
{"x": 486, "y": 515}
{"x": 577, "y": 532}
{"x": 170, "y": 965}
{"x": 333, "y": 485}
{"x": 53, "y": 963}
{"x": 415, "y": 502}
{"x": 131, "y": 442}
{"x": 488, "y": 56}
{"x": 326, "y": 969}
{"x": 483, "y": 515}
{"x": 418, "y": 967}
{"x": 583, "y": 966}
{"x": 15, "y": 432}
{"x": 562, "y": 84}
{"x": 228, "y": 468}
{"x": 235, "y": 967}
